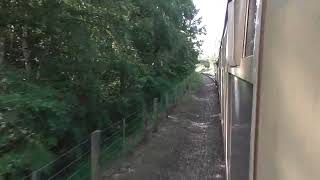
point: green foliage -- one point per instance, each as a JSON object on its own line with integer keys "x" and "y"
{"x": 72, "y": 66}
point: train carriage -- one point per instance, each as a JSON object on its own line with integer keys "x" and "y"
{"x": 268, "y": 76}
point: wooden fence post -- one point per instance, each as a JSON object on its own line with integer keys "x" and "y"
{"x": 178, "y": 92}
{"x": 176, "y": 95}
{"x": 34, "y": 175}
{"x": 145, "y": 123}
{"x": 95, "y": 155}
{"x": 188, "y": 88}
{"x": 167, "y": 105}
{"x": 124, "y": 136}
{"x": 185, "y": 91}
{"x": 167, "y": 100}
{"x": 155, "y": 114}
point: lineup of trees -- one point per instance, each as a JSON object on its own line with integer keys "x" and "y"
{"x": 68, "y": 67}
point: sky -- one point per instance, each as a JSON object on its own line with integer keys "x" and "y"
{"x": 213, "y": 14}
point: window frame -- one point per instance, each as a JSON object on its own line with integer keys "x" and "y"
{"x": 230, "y": 36}
{"x": 244, "y": 48}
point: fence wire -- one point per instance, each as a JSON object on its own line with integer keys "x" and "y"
{"x": 117, "y": 139}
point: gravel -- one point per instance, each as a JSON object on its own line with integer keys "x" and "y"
{"x": 188, "y": 145}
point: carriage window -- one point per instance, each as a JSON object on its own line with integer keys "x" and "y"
{"x": 251, "y": 22}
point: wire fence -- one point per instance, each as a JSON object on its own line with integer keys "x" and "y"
{"x": 116, "y": 140}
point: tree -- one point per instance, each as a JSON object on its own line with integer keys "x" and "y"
{"x": 71, "y": 66}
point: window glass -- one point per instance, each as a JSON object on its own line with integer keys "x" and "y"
{"x": 251, "y": 23}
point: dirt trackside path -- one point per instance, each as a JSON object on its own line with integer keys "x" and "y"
{"x": 188, "y": 145}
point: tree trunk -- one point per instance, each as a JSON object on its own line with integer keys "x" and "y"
{"x": 38, "y": 76}
{"x": 2, "y": 47}
{"x": 123, "y": 76}
{"x": 122, "y": 82}
{"x": 26, "y": 51}
{"x": 11, "y": 39}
